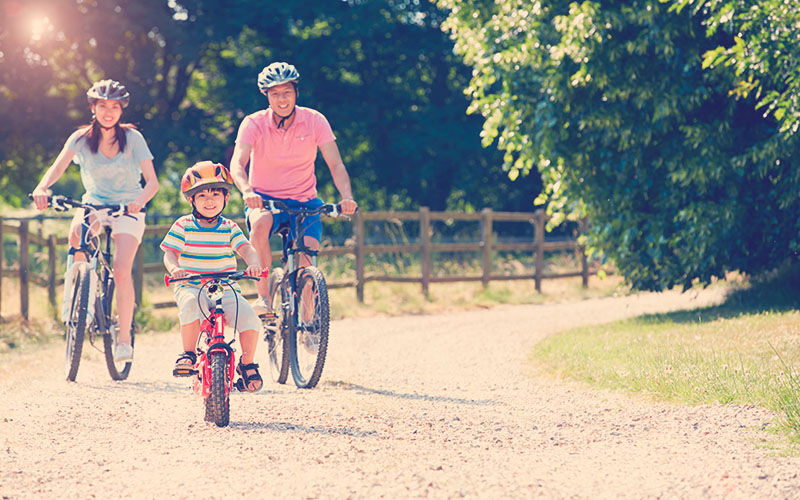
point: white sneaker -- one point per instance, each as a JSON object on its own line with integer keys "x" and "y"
{"x": 262, "y": 306}
{"x": 123, "y": 352}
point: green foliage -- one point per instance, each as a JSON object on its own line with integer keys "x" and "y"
{"x": 382, "y": 72}
{"x": 764, "y": 54}
{"x": 682, "y": 181}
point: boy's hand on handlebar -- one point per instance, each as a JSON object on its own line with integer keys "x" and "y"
{"x": 179, "y": 273}
{"x": 348, "y": 206}
{"x": 253, "y": 271}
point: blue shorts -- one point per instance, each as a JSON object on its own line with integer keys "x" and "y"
{"x": 312, "y": 226}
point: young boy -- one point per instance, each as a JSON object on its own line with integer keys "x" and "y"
{"x": 204, "y": 242}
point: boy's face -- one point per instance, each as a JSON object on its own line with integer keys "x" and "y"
{"x": 210, "y": 202}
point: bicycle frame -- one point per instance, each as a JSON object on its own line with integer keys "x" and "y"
{"x": 293, "y": 299}
{"x": 212, "y": 333}
{"x": 212, "y": 329}
{"x": 91, "y": 313}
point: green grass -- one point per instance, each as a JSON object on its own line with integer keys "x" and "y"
{"x": 744, "y": 351}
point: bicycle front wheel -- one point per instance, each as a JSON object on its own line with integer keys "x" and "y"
{"x": 275, "y": 331}
{"x": 309, "y": 330}
{"x": 218, "y": 400}
{"x": 76, "y": 324}
{"x": 117, "y": 370}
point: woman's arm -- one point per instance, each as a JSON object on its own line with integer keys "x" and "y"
{"x": 150, "y": 186}
{"x": 52, "y": 175}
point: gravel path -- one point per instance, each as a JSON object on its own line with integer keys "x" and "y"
{"x": 440, "y": 406}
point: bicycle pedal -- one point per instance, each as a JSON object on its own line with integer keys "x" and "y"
{"x": 184, "y": 372}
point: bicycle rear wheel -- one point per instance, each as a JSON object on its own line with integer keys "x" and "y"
{"x": 275, "y": 331}
{"x": 118, "y": 371}
{"x": 218, "y": 400}
{"x": 76, "y": 324}
{"x": 309, "y": 329}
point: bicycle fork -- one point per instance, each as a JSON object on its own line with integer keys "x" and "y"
{"x": 216, "y": 344}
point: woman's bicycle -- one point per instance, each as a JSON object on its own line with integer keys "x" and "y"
{"x": 216, "y": 361}
{"x": 90, "y": 300}
{"x": 298, "y": 336}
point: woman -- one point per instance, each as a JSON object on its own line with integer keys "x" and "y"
{"x": 113, "y": 157}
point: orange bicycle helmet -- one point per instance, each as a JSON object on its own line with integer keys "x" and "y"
{"x": 205, "y": 175}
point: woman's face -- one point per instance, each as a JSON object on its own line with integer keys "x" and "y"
{"x": 282, "y": 98}
{"x": 107, "y": 113}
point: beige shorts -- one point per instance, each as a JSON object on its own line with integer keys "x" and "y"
{"x": 189, "y": 312}
{"x": 132, "y": 224}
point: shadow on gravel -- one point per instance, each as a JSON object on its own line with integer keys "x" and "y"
{"x": 424, "y": 397}
{"x": 307, "y": 429}
{"x": 147, "y": 387}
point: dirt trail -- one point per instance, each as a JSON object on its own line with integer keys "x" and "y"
{"x": 438, "y": 406}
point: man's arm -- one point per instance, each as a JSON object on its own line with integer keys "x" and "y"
{"x": 241, "y": 155}
{"x": 330, "y": 151}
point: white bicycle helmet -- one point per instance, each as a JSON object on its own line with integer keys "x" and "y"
{"x": 276, "y": 74}
{"x": 109, "y": 90}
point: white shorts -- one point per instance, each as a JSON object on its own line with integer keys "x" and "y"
{"x": 189, "y": 312}
{"x": 132, "y": 224}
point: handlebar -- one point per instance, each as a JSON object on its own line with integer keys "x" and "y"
{"x": 229, "y": 275}
{"x": 62, "y": 203}
{"x": 329, "y": 209}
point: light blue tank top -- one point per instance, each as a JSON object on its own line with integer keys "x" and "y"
{"x": 110, "y": 180}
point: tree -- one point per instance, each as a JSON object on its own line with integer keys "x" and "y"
{"x": 610, "y": 102}
{"x": 383, "y": 72}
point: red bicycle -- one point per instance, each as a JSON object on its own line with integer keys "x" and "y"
{"x": 215, "y": 367}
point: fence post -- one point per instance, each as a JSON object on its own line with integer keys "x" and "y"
{"x": 360, "y": 242}
{"x": 23, "y": 269}
{"x": 138, "y": 268}
{"x": 51, "y": 257}
{"x": 2, "y": 264}
{"x": 486, "y": 245}
{"x": 539, "y": 219}
{"x": 584, "y": 268}
{"x": 425, "y": 250}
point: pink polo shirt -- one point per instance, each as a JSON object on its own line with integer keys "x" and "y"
{"x": 282, "y": 160}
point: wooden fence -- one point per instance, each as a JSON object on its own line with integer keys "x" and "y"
{"x": 358, "y": 247}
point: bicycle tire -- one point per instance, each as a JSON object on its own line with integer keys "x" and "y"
{"x": 118, "y": 371}
{"x": 309, "y": 342}
{"x": 275, "y": 336}
{"x": 76, "y": 324}
{"x": 218, "y": 400}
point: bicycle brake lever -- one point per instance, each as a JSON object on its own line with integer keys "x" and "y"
{"x": 57, "y": 202}
{"x": 118, "y": 212}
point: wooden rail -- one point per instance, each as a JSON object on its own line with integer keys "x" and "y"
{"x": 424, "y": 247}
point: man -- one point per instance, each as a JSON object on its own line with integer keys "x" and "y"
{"x": 281, "y": 145}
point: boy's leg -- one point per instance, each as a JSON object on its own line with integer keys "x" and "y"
{"x": 188, "y": 315}
{"x": 249, "y": 341}
{"x": 189, "y": 334}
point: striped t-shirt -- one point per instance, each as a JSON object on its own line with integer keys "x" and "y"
{"x": 204, "y": 249}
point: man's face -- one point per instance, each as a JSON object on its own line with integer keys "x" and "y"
{"x": 282, "y": 98}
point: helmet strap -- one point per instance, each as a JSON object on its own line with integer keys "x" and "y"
{"x": 213, "y": 218}
{"x": 284, "y": 118}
